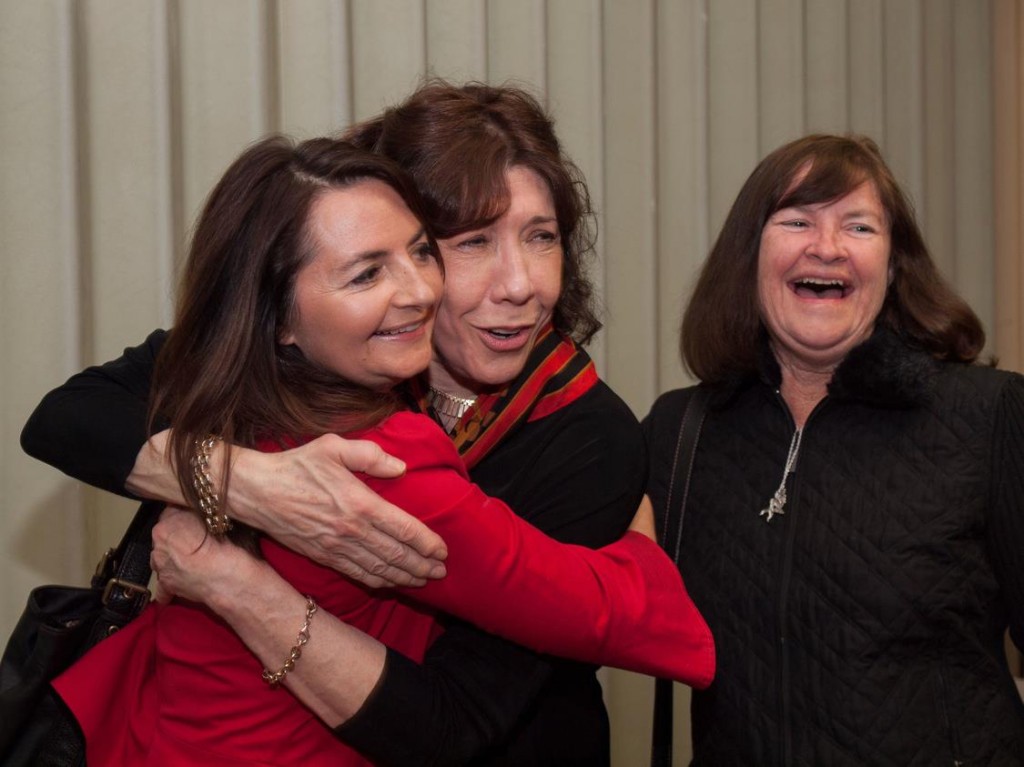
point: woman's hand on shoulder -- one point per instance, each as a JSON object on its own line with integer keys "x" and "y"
{"x": 308, "y": 499}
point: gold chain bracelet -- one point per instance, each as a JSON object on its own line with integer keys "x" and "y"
{"x": 273, "y": 678}
{"x": 209, "y": 502}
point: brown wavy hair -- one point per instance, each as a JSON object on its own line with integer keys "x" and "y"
{"x": 722, "y": 329}
{"x": 222, "y": 370}
{"x": 457, "y": 142}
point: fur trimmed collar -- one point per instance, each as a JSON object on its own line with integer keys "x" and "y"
{"x": 885, "y": 370}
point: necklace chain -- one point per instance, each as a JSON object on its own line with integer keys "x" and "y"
{"x": 450, "y": 405}
{"x": 778, "y": 501}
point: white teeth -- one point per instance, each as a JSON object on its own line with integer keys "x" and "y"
{"x": 398, "y": 331}
{"x": 815, "y": 281}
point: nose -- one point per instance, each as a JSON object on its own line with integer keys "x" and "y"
{"x": 512, "y": 281}
{"x": 415, "y": 288}
{"x": 827, "y": 245}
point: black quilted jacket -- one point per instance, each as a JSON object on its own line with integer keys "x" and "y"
{"x": 865, "y": 625}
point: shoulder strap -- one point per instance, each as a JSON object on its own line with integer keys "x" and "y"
{"x": 672, "y": 536}
{"x": 123, "y": 573}
{"x": 682, "y": 463}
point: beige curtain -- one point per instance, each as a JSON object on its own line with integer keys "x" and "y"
{"x": 1008, "y": 130}
{"x": 116, "y": 117}
{"x": 1008, "y": 79}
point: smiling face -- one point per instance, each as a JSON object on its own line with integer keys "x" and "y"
{"x": 823, "y": 271}
{"x": 501, "y": 286}
{"x": 365, "y": 302}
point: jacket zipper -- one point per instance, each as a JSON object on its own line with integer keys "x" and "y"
{"x": 783, "y": 595}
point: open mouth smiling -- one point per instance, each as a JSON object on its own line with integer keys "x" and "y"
{"x": 503, "y": 334}
{"x": 812, "y": 287}
{"x": 400, "y": 331}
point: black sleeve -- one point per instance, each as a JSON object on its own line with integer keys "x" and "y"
{"x": 582, "y": 484}
{"x": 94, "y": 425}
{"x": 1006, "y": 516}
{"x": 467, "y": 696}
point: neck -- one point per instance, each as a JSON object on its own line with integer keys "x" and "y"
{"x": 439, "y": 378}
{"x": 802, "y": 387}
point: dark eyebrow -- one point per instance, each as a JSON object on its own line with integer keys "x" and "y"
{"x": 863, "y": 213}
{"x": 858, "y": 213}
{"x": 374, "y": 255}
{"x": 417, "y": 237}
{"x": 542, "y": 220}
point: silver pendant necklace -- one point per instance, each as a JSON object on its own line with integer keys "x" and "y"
{"x": 778, "y": 501}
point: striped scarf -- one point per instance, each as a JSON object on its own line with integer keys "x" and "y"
{"x": 556, "y": 373}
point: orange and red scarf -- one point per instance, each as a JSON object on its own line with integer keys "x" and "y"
{"x": 557, "y": 372}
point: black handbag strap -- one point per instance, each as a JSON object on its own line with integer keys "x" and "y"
{"x": 672, "y": 537}
{"x": 123, "y": 573}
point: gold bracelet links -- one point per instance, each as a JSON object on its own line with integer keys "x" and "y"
{"x": 209, "y": 502}
{"x": 274, "y": 678}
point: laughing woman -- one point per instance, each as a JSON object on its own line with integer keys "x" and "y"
{"x": 855, "y": 521}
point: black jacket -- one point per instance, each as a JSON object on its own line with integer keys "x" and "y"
{"x": 865, "y": 625}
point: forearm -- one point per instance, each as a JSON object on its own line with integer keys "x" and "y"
{"x": 70, "y": 437}
{"x": 306, "y": 499}
{"x": 617, "y": 606}
{"x": 468, "y": 695}
{"x": 93, "y": 426}
{"x": 152, "y": 475}
{"x": 339, "y": 666}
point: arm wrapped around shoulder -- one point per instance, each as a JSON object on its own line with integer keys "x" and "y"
{"x": 623, "y": 605}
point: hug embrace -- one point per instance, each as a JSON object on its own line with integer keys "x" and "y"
{"x": 853, "y": 507}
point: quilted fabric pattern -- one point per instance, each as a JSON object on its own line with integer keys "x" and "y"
{"x": 864, "y": 626}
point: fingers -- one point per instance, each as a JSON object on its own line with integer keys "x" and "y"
{"x": 377, "y": 560}
{"x": 399, "y": 563}
{"x": 309, "y": 500}
{"x": 364, "y": 456}
{"x": 406, "y": 551}
{"x": 415, "y": 544}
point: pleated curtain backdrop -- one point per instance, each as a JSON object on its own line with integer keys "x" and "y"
{"x": 117, "y": 117}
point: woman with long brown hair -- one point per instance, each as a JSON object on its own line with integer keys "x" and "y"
{"x": 309, "y": 294}
{"x": 525, "y": 408}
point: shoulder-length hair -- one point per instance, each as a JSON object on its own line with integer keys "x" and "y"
{"x": 457, "y": 142}
{"x": 222, "y": 370}
{"x": 722, "y": 327}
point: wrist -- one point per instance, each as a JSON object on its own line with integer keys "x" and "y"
{"x": 152, "y": 475}
{"x": 240, "y": 498}
{"x": 234, "y": 587}
{"x": 209, "y": 490}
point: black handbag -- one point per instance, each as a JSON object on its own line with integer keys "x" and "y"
{"x": 58, "y": 625}
{"x": 671, "y": 541}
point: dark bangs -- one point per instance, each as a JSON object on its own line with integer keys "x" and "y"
{"x": 459, "y": 201}
{"x": 832, "y": 175}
